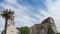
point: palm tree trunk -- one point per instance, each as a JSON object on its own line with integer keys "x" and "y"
{"x": 6, "y": 21}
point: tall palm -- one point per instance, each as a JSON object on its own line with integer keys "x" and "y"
{"x": 7, "y": 14}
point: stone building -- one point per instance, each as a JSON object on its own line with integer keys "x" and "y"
{"x": 46, "y": 27}
{"x": 11, "y": 29}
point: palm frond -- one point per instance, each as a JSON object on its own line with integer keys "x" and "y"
{"x": 7, "y": 13}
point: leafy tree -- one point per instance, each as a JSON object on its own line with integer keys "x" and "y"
{"x": 7, "y": 14}
{"x": 24, "y": 30}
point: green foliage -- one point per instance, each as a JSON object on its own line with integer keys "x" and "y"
{"x": 24, "y": 30}
{"x": 7, "y": 13}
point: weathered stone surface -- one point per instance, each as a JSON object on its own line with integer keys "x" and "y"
{"x": 11, "y": 29}
{"x": 46, "y": 27}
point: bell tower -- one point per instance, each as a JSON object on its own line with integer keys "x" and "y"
{"x": 11, "y": 29}
{"x": 11, "y": 22}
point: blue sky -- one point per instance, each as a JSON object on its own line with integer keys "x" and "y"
{"x": 30, "y": 12}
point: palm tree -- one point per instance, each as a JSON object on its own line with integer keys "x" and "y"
{"x": 7, "y": 14}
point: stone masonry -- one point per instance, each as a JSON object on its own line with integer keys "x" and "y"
{"x": 11, "y": 29}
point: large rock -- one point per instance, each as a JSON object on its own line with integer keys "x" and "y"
{"x": 46, "y": 27}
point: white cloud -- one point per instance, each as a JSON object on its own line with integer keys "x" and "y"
{"x": 11, "y": 1}
{"x": 26, "y": 20}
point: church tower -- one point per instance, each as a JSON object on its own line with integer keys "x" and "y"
{"x": 11, "y": 22}
{"x": 11, "y": 29}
